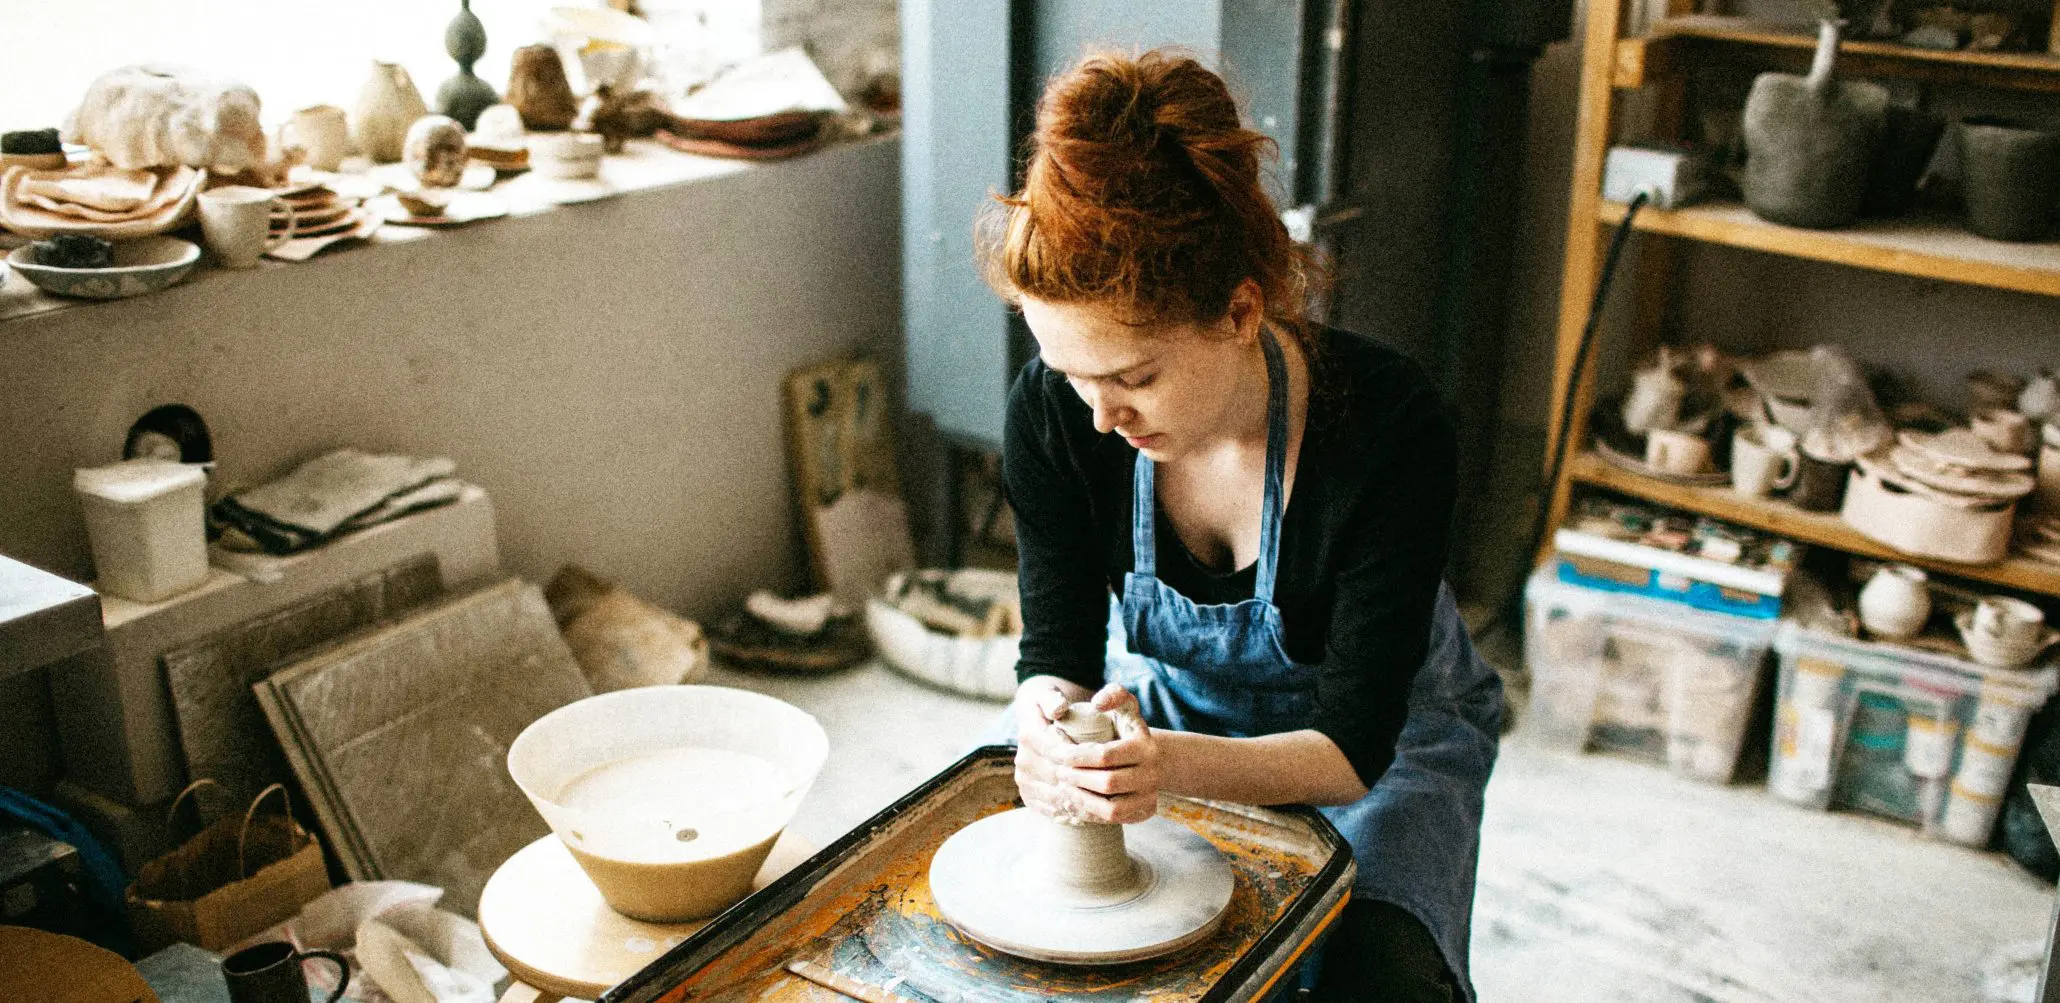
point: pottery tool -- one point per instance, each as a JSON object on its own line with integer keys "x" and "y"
{"x": 1081, "y": 893}
{"x": 863, "y": 910}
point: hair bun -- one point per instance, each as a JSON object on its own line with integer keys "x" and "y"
{"x": 1144, "y": 188}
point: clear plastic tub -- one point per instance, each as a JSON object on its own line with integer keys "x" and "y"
{"x": 1900, "y": 732}
{"x": 1640, "y": 677}
{"x": 670, "y": 797}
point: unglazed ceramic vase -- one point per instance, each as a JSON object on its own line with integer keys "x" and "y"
{"x": 388, "y": 104}
{"x": 464, "y": 96}
{"x": 1896, "y": 602}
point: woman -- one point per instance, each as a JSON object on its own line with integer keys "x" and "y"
{"x": 1270, "y": 500}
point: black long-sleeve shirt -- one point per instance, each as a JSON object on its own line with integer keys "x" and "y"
{"x": 1363, "y": 541}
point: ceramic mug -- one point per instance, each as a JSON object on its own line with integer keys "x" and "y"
{"x": 324, "y": 131}
{"x": 237, "y": 222}
{"x": 270, "y": 973}
{"x": 2010, "y": 621}
{"x": 1676, "y": 452}
{"x": 1763, "y": 460}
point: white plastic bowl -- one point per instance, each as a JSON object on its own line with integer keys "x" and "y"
{"x": 669, "y": 857}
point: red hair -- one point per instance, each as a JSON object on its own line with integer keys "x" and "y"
{"x": 1144, "y": 193}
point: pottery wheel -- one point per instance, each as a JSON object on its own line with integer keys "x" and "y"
{"x": 1080, "y": 893}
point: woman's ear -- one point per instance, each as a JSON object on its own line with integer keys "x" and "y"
{"x": 1247, "y": 313}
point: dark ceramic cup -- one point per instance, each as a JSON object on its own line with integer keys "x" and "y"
{"x": 2012, "y": 178}
{"x": 1907, "y": 144}
{"x": 270, "y": 973}
{"x": 1819, "y": 484}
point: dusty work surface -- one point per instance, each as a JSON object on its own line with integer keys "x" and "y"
{"x": 1601, "y": 880}
{"x": 864, "y": 911}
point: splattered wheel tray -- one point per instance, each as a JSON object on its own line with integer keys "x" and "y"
{"x": 862, "y": 909}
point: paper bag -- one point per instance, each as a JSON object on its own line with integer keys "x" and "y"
{"x": 235, "y": 878}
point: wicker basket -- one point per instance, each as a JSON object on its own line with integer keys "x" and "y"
{"x": 984, "y": 668}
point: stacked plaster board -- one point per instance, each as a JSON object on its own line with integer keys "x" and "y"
{"x": 115, "y": 721}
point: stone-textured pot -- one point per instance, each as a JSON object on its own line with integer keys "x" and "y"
{"x": 387, "y": 105}
{"x": 538, "y": 89}
{"x": 1810, "y": 141}
{"x": 2012, "y": 178}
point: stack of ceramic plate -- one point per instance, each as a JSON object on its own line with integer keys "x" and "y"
{"x": 1956, "y": 465}
{"x": 318, "y": 211}
{"x": 97, "y": 200}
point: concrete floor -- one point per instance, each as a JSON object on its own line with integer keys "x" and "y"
{"x": 1600, "y": 881}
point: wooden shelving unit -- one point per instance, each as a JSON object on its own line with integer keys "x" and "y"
{"x": 1658, "y": 64}
{"x": 1675, "y": 43}
{"x": 1821, "y": 529}
{"x": 1931, "y": 249}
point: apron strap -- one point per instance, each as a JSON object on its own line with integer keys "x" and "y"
{"x": 1144, "y": 548}
{"x": 1276, "y": 467}
{"x": 1144, "y": 498}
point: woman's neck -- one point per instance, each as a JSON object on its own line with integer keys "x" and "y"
{"x": 1251, "y": 427}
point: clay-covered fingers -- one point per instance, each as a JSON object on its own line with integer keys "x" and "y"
{"x": 1140, "y": 779}
{"x": 1120, "y": 809}
{"x": 1122, "y": 752}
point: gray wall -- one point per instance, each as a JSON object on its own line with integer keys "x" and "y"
{"x": 609, "y": 371}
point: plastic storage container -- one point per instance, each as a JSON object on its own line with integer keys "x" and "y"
{"x": 146, "y": 521}
{"x": 1903, "y": 733}
{"x": 1646, "y": 678}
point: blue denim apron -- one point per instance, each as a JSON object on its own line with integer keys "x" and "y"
{"x": 1223, "y": 670}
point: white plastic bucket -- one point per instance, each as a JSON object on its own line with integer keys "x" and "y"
{"x": 146, "y": 520}
{"x": 670, "y": 796}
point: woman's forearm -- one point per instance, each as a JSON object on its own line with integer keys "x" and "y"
{"x": 1296, "y": 767}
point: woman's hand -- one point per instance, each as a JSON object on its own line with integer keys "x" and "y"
{"x": 1097, "y": 782}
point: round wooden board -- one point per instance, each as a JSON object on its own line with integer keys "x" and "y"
{"x": 547, "y": 922}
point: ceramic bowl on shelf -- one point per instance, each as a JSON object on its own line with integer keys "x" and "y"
{"x": 140, "y": 266}
{"x": 1995, "y": 652}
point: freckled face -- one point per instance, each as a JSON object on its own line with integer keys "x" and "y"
{"x": 1167, "y": 388}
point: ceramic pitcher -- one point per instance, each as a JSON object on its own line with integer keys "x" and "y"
{"x": 387, "y": 105}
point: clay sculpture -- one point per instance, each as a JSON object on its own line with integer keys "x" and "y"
{"x": 158, "y": 116}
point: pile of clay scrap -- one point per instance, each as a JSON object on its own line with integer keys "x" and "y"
{"x": 955, "y": 629}
{"x": 622, "y": 641}
{"x": 970, "y": 603}
{"x": 811, "y": 634}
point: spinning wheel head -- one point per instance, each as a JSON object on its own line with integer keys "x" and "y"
{"x": 1081, "y": 893}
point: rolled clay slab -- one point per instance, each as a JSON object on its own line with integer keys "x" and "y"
{"x": 990, "y": 880}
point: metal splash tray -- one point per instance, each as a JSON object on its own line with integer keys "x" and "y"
{"x": 861, "y": 910}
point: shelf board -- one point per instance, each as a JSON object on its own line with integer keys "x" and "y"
{"x": 1822, "y": 529}
{"x": 1931, "y": 248}
{"x": 1772, "y": 45}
